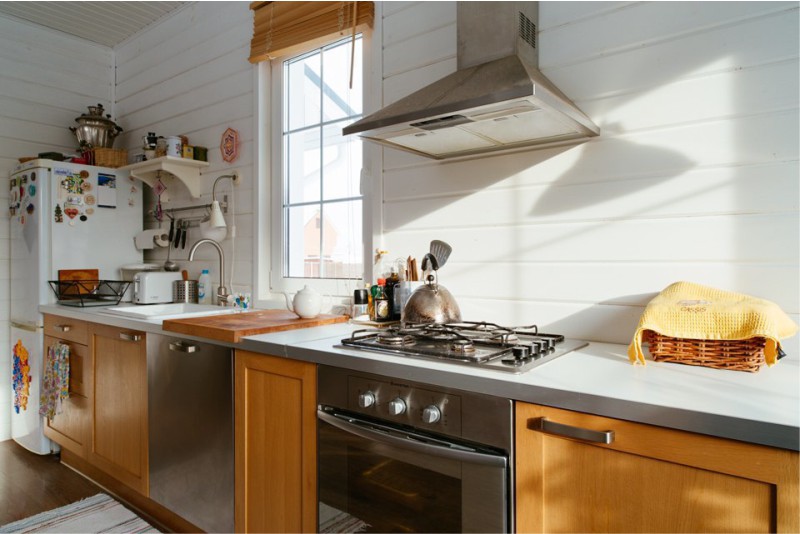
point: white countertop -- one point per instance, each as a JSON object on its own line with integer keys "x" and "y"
{"x": 761, "y": 408}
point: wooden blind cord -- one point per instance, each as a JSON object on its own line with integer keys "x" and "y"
{"x": 353, "y": 44}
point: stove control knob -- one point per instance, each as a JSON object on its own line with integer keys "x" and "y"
{"x": 431, "y": 414}
{"x": 521, "y": 352}
{"x": 397, "y": 406}
{"x": 366, "y": 399}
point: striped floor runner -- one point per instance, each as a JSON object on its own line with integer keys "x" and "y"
{"x": 96, "y": 514}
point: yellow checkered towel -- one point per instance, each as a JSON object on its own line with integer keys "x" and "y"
{"x": 691, "y": 311}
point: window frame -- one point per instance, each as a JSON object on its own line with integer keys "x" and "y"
{"x": 268, "y": 276}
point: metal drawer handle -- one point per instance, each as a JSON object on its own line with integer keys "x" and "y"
{"x": 558, "y": 429}
{"x": 129, "y": 337}
{"x": 180, "y": 346}
{"x": 64, "y": 327}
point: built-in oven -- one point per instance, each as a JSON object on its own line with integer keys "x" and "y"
{"x": 400, "y": 456}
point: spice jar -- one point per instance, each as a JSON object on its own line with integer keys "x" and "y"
{"x": 360, "y": 308}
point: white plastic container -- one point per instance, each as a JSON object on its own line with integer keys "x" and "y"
{"x": 204, "y": 288}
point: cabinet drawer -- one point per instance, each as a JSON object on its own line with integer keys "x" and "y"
{"x": 65, "y": 328}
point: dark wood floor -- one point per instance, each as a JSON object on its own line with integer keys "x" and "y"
{"x": 30, "y": 483}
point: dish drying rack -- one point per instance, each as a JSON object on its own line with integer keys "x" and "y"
{"x": 85, "y": 293}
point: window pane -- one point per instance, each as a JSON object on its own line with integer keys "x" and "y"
{"x": 342, "y": 249}
{"x": 342, "y": 163}
{"x": 302, "y": 172}
{"x": 303, "y": 258}
{"x": 339, "y": 101}
{"x": 302, "y": 92}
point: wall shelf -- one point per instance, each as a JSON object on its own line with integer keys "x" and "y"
{"x": 172, "y": 170}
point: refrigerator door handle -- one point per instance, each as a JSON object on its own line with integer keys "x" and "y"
{"x": 28, "y": 327}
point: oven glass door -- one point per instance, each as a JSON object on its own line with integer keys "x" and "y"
{"x": 375, "y": 477}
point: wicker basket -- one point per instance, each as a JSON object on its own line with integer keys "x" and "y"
{"x": 738, "y": 355}
{"x": 110, "y": 157}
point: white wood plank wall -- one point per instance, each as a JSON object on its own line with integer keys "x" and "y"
{"x": 694, "y": 177}
{"x": 47, "y": 79}
{"x": 189, "y": 75}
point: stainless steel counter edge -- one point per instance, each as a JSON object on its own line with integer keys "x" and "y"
{"x": 761, "y": 408}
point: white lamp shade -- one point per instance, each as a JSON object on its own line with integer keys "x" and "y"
{"x": 216, "y": 218}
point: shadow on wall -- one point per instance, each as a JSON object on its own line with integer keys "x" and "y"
{"x": 610, "y": 321}
{"x": 620, "y": 159}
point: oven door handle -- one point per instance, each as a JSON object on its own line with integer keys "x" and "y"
{"x": 408, "y": 440}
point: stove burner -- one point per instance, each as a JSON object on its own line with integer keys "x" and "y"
{"x": 462, "y": 346}
{"x": 395, "y": 339}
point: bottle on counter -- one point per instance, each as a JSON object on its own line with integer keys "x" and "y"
{"x": 391, "y": 291}
{"x": 380, "y": 304}
{"x": 204, "y": 288}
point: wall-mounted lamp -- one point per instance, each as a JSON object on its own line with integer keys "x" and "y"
{"x": 216, "y": 220}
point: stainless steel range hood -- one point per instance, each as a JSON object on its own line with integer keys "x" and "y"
{"x": 496, "y": 100}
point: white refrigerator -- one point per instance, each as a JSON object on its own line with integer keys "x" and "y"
{"x": 62, "y": 216}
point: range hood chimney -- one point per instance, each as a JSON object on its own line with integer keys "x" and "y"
{"x": 496, "y": 100}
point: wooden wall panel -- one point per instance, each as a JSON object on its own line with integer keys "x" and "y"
{"x": 692, "y": 178}
{"x": 189, "y": 75}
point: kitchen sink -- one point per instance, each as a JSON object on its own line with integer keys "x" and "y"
{"x": 159, "y": 312}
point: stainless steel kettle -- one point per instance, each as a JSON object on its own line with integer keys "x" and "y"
{"x": 432, "y": 302}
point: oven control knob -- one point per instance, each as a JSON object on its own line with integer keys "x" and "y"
{"x": 366, "y": 399}
{"x": 397, "y": 406}
{"x": 431, "y": 414}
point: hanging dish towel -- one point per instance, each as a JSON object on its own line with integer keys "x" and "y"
{"x": 55, "y": 380}
{"x": 691, "y": 311}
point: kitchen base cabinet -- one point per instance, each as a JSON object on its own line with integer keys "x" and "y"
{"x": 275, "y": 444}
{"x": 70, "y": 428}
{"x": 119, "y": 426}
{"x": 646, "y": 479}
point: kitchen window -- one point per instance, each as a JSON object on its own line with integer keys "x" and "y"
{"x": 317, "y": 205}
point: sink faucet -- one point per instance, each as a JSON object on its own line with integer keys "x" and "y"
{"x": 223, "y": 297}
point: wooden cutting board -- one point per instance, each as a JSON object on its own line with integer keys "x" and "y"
{"x": 234, "y": 326}
{"x": 82, "y": 279}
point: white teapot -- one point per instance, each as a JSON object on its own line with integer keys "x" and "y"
{"x": 306, "y": 303}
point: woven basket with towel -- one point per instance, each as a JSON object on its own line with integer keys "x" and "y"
{"x": 697, "y": 325}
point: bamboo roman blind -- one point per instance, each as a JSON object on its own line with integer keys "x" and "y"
{"x": 283, "y": 28}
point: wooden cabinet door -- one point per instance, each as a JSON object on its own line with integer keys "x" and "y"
{"x": 648, "y": 479}
{"x": 275, "y": 441}
{"x": 71, "y": 427}
{"x": 119, "y": 425}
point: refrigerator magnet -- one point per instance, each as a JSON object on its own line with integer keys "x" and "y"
{"x": 106, "y": 191}
{"x": 30, "y": 208}
{"x": 83, "y": 217}
{"x": 21, "y": 371}
{"x": 58, "y": 215}
{"x": 32, "y": 190}
{"x": 89, "y": 200}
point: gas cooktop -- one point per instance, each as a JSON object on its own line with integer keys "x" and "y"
{"x": 477, "y": 344}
